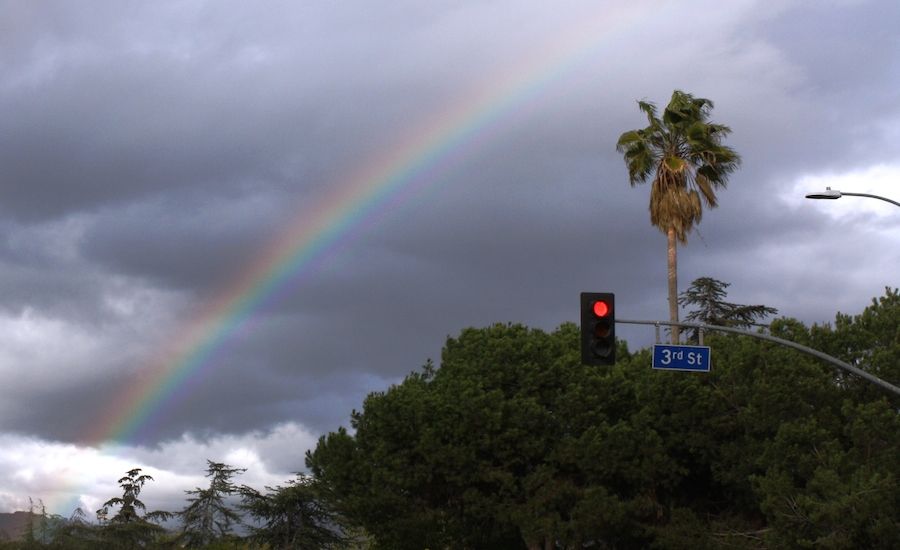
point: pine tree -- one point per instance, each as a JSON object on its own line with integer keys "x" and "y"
{"x": 208, "y": 517}
{"x": 294, "y": 516}
{"x": 128, "y": 528}
{"x": 708, "y": 296}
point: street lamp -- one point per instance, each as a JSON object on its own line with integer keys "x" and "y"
{"x": 830, "y": 193}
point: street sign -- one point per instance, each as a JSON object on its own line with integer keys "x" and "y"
{"x": 688, "y": 358}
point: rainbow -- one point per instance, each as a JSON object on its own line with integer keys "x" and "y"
{"x": 361, "y": 198}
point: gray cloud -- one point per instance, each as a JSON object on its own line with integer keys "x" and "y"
{"x": 152, "y": 152}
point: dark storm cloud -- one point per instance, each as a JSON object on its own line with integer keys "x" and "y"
{"x": 71, "y": 415}
{"x": 41, "y": 270}
{"x": 92, "y": 136}
{"x": 110, "y": 118}
{"x": 191, "y": 243}
{"x": 834, "y": 57}
{"x": 152, "y": 151}
{"x": 170, "y": 144}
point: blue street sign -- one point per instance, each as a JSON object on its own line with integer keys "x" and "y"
{"x": 690, "y": 358}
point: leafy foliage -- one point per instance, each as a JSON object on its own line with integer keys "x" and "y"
{"x": 512, "y": 443}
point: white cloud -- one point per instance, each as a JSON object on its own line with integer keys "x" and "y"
{"x": 882, "y": 180}
{"x": 850, "y": 247}
{"x": 65, "y": 476}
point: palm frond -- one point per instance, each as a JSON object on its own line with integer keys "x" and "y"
{"x": 706, "y": 189}
{"x": 650, "y": 110}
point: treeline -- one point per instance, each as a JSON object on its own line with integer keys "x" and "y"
{"x": 513, "y": 444}
{"x": 223, "y": 516}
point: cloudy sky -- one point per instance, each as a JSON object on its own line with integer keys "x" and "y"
{"x": 224, "y": 223}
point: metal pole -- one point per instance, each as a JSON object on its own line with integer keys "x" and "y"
{"x": 871, "y": 197}
{"x": 787, "y": 343}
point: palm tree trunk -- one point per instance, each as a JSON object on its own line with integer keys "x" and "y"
{"x": 673, "y": 284}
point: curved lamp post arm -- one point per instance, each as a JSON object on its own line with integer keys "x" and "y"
{"x": 872, "y": 197}
{"x": 830, "y": 193}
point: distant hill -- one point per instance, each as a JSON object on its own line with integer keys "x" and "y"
{"x": 12, "y": 525}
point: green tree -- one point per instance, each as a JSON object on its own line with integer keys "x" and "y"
{"x": 832, "y": 475}
{"x": 208, "y": 517}
{"x": 512, "y": 443}
{"x": 76, "y": 532}
{"x": 293, "y": 516}
{"x": 870, "y": 340}
{"x": 827, "y": 487}
{"x": 129, "y": 503}
{"x": 496, "y": 449}
{"x": 28, "y": 531}
{"x": 39, "y": 533}
{"x": 707, "y": 296}
{"x": 682, "y": 154}
{"x": 128, "y": 528}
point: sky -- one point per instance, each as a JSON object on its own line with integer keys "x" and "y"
{"x": 225, "y": 223}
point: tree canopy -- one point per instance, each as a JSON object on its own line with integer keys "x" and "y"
{"x": 682, "y": 154}
{"x": 512, "y": 443}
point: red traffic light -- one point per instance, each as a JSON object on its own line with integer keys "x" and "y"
{"x": 598, "y": 328}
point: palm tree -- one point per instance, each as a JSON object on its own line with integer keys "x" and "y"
{"x": 683, "y": 157}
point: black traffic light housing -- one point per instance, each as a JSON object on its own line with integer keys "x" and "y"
{"x": 598, "y": 328}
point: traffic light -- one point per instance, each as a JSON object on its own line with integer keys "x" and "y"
{"x": 598, "y": 328}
